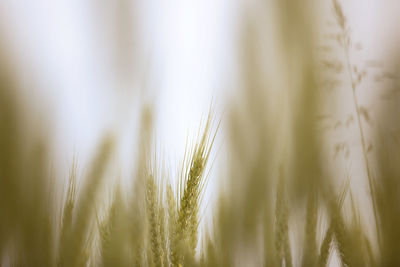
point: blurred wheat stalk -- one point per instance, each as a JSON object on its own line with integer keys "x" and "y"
{"x": 279, "y": 194}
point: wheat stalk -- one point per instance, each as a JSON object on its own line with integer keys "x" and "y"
{"x": 75, "y": 243}
{"x": 282, "y": 243}
{"x": 193, "y": 183}
{"x": 69, "y": 205}
{"x": 153, "y": 218}
{"x": 345, "y": 42}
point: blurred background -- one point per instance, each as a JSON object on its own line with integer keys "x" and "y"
{"x": 85, "y": 66}
{"x": 88, "y": 67}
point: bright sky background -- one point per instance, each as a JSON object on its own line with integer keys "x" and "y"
{"x": 63, "y": 53}
{"x": 186, "y": 45}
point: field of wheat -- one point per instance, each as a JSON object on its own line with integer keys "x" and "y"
{"x": 282, "y": 200}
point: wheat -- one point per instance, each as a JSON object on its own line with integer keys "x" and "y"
{"x": 69, "y": 205}
{"x": 282, "y": 243}
{"x": 154, "y": 223}
{"x": 75, "y": 244}
{"x": 345, "y": 42}
{"x": 159, "y": 224}
{"x": 326, "y": 246}
{"x": 193, "y": 182}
